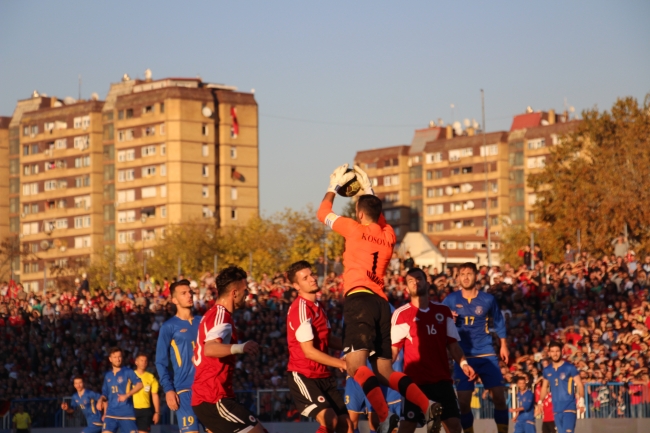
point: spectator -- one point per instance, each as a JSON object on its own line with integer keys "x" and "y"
{"x": 21, "y": 420}
{"x": 569, "y": 253}
{"x": 408, "y": 261}
{"x": 621, "y": 246}
{"x": 338, "y": 266}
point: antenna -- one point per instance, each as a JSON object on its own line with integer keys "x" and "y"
{"x": 452, "y": 112}
{"x": 458, "y": 129}
{"x": 79, "y": 87}
{"x": 466, "y": 123}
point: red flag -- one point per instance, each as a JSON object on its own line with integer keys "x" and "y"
{"x": 234, "y": 129}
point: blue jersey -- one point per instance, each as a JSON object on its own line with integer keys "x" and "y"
{"x": 87, "y": 403}
{"x": 472, "y": 322}
{"x": 116, "y": 384}
{"x": 175, "y": 347}
{"x": 562, "y": 386}
{"x": 526, "y": 400}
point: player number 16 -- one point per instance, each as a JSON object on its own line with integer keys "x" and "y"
{"x": 431, "y": 330}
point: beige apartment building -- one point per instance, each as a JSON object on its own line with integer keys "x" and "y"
{"x": 83, "y": 176}
{"x": 449, "y": 170}
{"x": 4, "y": 177}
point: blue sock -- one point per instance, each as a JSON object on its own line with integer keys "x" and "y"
{"x": 501, "y": 418}
{"x": 356, "y": 430}
{"x": 467, "y": 421}
{"x": 372, "y": 431}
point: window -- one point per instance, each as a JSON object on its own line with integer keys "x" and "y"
{"x": 494, "y": 202}
{"x": 163, "y": 211}
{"x": 391, "y": 180}
{"x": 14, "y": 204}
{"x": 233, "y": 152}
{"x": 517, "y": 213}
{"x": 109, "y": 212}
{"x": 126, "y": 195}
{"x": 489, "y": 150}
{"x": 536, "y": 143}
{"x": 30, "y": 228}
{"x": 466, "y": 170}
{"x": 205, "y": 192}
{"x": 148, "y": 191}
{"x": 25, "y": 131}
{"x": 81, "y": 181}
{"x": 76, "y": 123}
{"x": 32, "y": 188}
{"x": 125, "y": 135}
{"x": 127, "y": 216}
{"x": 126, "y": 237}
{"x": 163, "y": 190}
{"x": 129, "y": 113}
{"x": 34, "y": 129}
{"x": 438, "y": 174}
{"x": 204, "y": 129}
{"x": 82, "y": 202}
{"x": 371, "y": 165}
{"x": 109, "y": 172}
{"x": 149, "y": 131}
{"x": 204, "y": 171}
{"x": 25, "y": 150}
{"x": 82, "y": 222}
{"x": 81, "y": 143}
{"x": 126, "y": 155}
{"x": 493, "y": 186}
{"x": 433, "y": 157}
{"x": 204, "y": 150}
{"x": 14, "y": 224}
{"x": 415, "y": 172}
{"x": 162, "y": 107}
{"x": 468, "y": 223}
{"x": 207, "y": 213}
{"x": 391, "y": 198}
{"x": 516, "y": 159}
{"x": 163, "y": 169}
{"x": 109, "y": 152}
{"x": 163, "y": 149}
{"x": 435, "y": 192}
{"x": 233, "y": 193}
{"x": 120, "y": 115}
{"x": 536, "y": 162}
{"x": 374, "y": 181}
{"x": 532, "y": 199}
{"x": 148, "y": 150}
{"x": 147, "y": 109}
{"x": 49, "y": 126}
{"x": 517, "y": 176}
{"x": 85, "y": 122}
{"x": 416, "y": 189}
{"x": 162, "y": 129}
{"x": 435, "y": 209}
{"x": 149, "y": 171}
{"x": 125, "y": 175}
{"x": 81, "y": 162}
{"x": 35, "y": 149}
{"x": 233, "y": 214}
{"x": 109, "y": 232}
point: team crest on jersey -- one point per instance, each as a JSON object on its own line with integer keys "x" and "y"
{"x": 120, "y": 380}
{"x": 459, "y": 305}
{"x": 321, "y": 399}
{"x": 410, "y": 415}
{"x": 478, "y": 310}
{"x": 440, "y": 317}
{"x": 562, "y": 376}
{"x": 252, "y": 418}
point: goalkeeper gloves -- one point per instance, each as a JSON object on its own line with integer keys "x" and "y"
{"x": 339, "y": 177}
{"x": 364, "y": 181}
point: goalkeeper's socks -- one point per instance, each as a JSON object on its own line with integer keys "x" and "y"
{"x": 501, "y": 418}
{"x": 467, "y": 422}
{"x": 405, "y": 386}
{"x": 370, "y": 385}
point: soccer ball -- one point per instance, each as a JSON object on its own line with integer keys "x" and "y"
{"x": 351, "y": 188}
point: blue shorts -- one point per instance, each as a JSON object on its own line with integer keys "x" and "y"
{"x": 525, "y": 427}
{"x": 93, "y": 428}
{"x": 355, "y": 398}
{"x": 187, "y": 421}
{"x": 487, "y": 368}
{"x": 124, "y": 425}
{"x": 565, "y": 422}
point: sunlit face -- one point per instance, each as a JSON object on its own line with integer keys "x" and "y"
{"x": 417, "y": 284}
{"x": 78, "y": 385}
{"x": 305, "y": 281}
{"x": 555, "y": 353}
{"x": 467, "y": 278}
{"x": 521, "y": 385}
{"x": 183, "y": 296}
{"x": 141, "y": 362}
{"x": 239, "y": 292}
{"x": 115, "y": 359}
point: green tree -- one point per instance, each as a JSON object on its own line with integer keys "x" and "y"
{"x": 598, "y": 179}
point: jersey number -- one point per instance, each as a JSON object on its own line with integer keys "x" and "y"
{"x": 375, "y": 257}
{"x": 469, "y": 320}
{"x": 556, "y": 383}
{"x": 431, "y": 330}
{"x": 188, "y": 421}
{"x": 114, "y": 389}
{"x": 82, "y": 407}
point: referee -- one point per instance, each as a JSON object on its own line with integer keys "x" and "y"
{"x": 144, "y": 415}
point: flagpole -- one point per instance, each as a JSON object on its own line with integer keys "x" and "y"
{"x": 487, "y": 198}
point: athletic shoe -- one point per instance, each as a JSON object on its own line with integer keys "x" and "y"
{"x": 389, "y": 424}
{"x": 434, "y": 412}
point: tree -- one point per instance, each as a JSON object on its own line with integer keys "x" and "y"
{"x": 598, "y": 179}
{"x": 11, "y": 251}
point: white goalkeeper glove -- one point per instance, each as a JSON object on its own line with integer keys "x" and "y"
{"x": 339, "y": 177}
{"x": 364, "y": 181}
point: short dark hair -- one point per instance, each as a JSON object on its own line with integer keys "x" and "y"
{"x": 555, "y": 343}
{"x": 113, "y": 350}
{"x": 175, "y": 284}
{"x": 371, "y": 206}
{"x": 415, "y": 270}
{"x": 226, "y": 277}
{"x": 142, "y": 354}
{"x": 77, "y": 377}
{"x": 295, "y": 268}
{"x": 468, "y": 265}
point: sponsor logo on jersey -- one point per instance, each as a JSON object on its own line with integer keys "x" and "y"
{"x": 478, "y": 310}
{"x": 562, "y": 376}
{"x": 459, "y": 305}
{"x": 183, "y": 330}
{"x": 440, "y": 317}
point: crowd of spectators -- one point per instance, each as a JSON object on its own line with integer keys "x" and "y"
{"x": 598, "y": 306}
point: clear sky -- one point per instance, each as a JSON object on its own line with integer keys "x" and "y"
{"x": 335, "y": 77}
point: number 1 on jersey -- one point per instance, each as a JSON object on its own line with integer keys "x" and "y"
{"x": 375, "y": 257}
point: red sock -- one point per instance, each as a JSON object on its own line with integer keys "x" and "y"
{"x": 370, "y": 385}
{"x": 405, "y": 386}
{"x": 322, "y": 429}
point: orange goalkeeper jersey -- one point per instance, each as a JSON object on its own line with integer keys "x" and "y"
{"x": 368, "y": 249}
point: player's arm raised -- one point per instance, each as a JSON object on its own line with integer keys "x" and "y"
{"x": 162, "y": 367}
{"x": 338, "y": 178}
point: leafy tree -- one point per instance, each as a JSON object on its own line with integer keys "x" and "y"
{"x": 598, "y": 179}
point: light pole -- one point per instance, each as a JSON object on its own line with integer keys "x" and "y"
{"x": 487, "y": 195}
{"x": 143, "y": 219}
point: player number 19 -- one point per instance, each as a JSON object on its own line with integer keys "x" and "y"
{"x": 188, "y": 420}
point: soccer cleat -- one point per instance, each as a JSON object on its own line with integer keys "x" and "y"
{"x": 389, "y": 424}
{"x": 433, "y": 417}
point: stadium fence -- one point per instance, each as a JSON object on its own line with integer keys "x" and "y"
{"x": 602, "y": 400}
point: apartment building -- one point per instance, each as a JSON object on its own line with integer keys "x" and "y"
{"x": 4, "y": 177}
{"x": 388, "y": 171}
{"x": 83, "y": 176}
